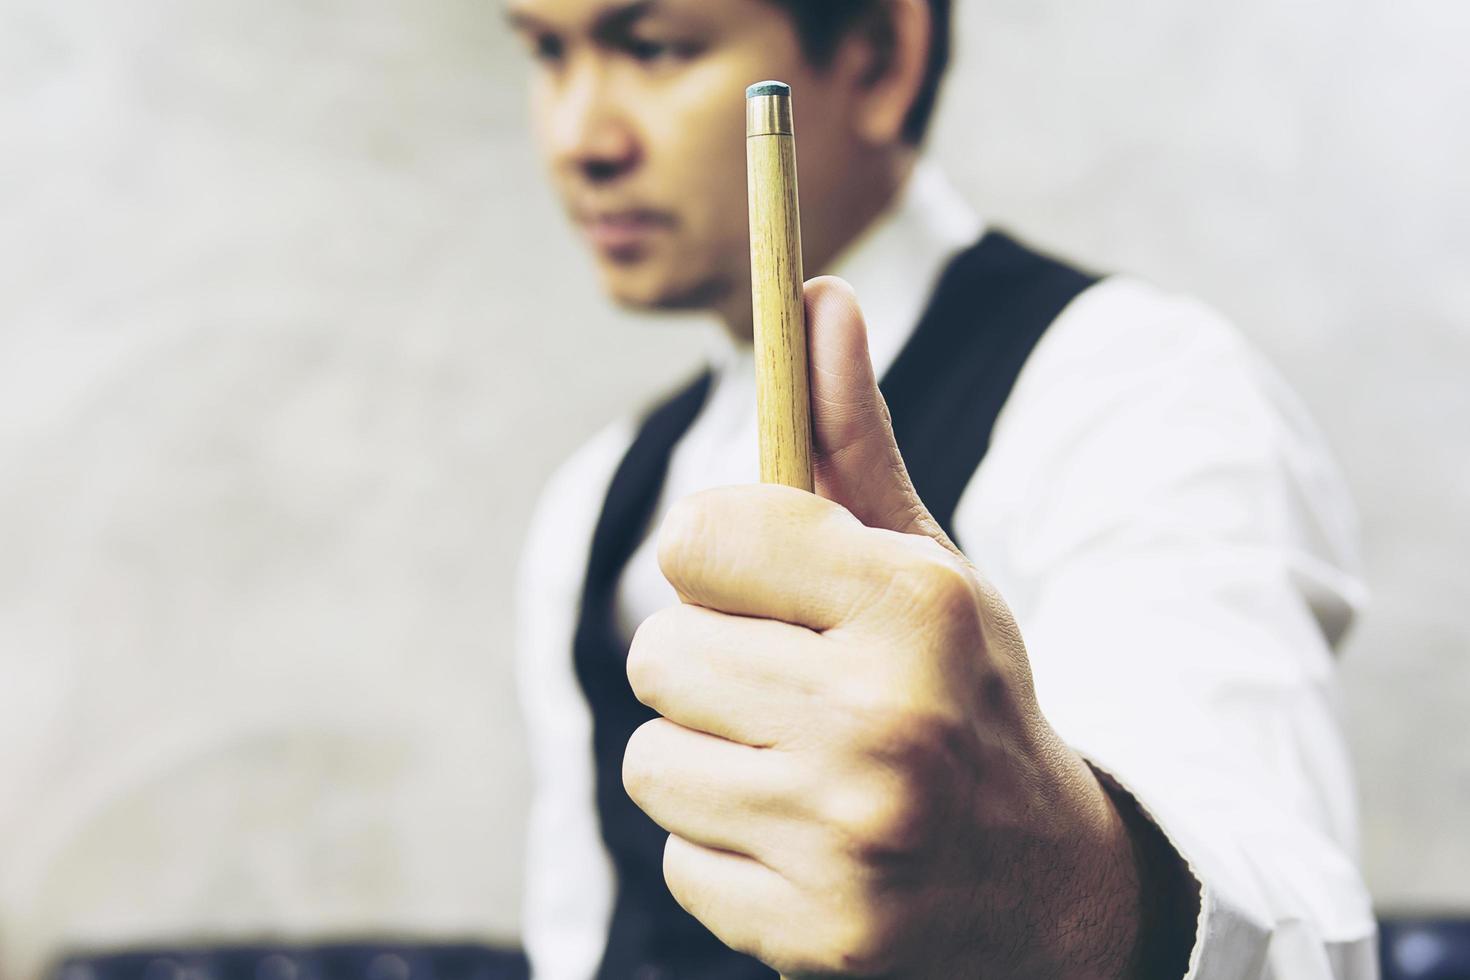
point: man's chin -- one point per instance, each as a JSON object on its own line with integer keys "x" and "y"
{"x": 646, "y": 290}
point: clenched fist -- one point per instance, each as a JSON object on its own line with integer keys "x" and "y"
{"x": 851, "y": 763}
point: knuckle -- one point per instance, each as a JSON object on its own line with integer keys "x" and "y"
{"x": 682, "y": 534}
{"x": 939, "y": 586}
{"x": 909, "y": 759}
{"x": 675, "y": 873}
{"x": 639, "y": 761}
{"x": 647, "y": 664}
{"x": 826, "y": 515}
{"x": 884, "y": 824}
{"x": 870, "y": 702}
{"x": 858, "y": 943}
{"x": 876, "y": 712}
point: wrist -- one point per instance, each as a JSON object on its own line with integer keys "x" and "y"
{"x": 1165, "y": 909}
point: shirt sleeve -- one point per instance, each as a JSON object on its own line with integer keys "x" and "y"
{"x": 1179, "y": 552}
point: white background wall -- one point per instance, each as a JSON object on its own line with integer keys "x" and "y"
{"x": 290, "y": 333}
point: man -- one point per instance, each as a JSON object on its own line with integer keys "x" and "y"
{"x": 1096, "y": 743}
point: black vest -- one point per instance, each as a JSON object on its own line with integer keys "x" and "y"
{"x": 944, "y": 391}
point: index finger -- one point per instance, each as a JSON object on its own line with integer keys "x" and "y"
{"x": 780, "y": 553}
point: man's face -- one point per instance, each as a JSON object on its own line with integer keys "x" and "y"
{"x": 639, "y": 110}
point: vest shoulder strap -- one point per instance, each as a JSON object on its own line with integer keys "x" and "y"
{"x": 948, "y": 384}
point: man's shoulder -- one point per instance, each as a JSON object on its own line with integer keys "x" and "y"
{"x": 1123, "y": 339}
{"x": 1134, "y": 383}
{"x": 1129, "y": 381}
{"x": 1124, "y": 310}
{"x": 1144, "y": 394}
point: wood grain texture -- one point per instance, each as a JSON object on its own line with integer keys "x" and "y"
{"x": 783, "y": 404}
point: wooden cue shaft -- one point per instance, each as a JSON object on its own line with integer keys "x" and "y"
{"x": 783, "y": 404}
{"x": 782, "y": 396}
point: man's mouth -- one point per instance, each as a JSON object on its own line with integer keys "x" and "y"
{"x": 624, "y": 232}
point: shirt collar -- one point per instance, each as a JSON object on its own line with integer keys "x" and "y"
{"x": 895, "y": 263}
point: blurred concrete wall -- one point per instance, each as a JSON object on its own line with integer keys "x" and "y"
{"x": 290, "y": 333}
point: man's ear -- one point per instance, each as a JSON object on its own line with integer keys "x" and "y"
{"x": 893, "y": 42}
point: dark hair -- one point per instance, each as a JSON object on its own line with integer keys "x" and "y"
{"x": 822, "y": 24}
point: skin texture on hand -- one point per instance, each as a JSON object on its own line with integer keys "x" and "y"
{"x": 851, "y": 763}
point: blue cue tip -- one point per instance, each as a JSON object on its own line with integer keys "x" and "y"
{"x": 767, "y": 88}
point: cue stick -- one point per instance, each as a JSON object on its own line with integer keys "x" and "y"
{"x": 783, "y": 403}
{"x": 782, "y": 398}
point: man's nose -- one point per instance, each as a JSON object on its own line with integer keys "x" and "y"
{"x": 592, "y": 135}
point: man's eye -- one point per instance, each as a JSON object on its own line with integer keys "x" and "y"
{"x": 657, "y": 52}
{"x": 548, "y": 49}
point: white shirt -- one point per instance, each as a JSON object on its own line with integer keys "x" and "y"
{"x": 1175, "y": 543}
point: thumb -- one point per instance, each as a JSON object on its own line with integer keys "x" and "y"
{"x": 855, "y": 460}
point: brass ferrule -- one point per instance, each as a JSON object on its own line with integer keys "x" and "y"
{"x": 766, "y": 115}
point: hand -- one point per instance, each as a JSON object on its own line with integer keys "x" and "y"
{"x": 851, "y": 761}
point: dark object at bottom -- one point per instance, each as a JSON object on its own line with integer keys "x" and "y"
{"x": 337, "y": 961}
{"x": 1410, "y": 949}
{"x": 1424, "y": 948}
